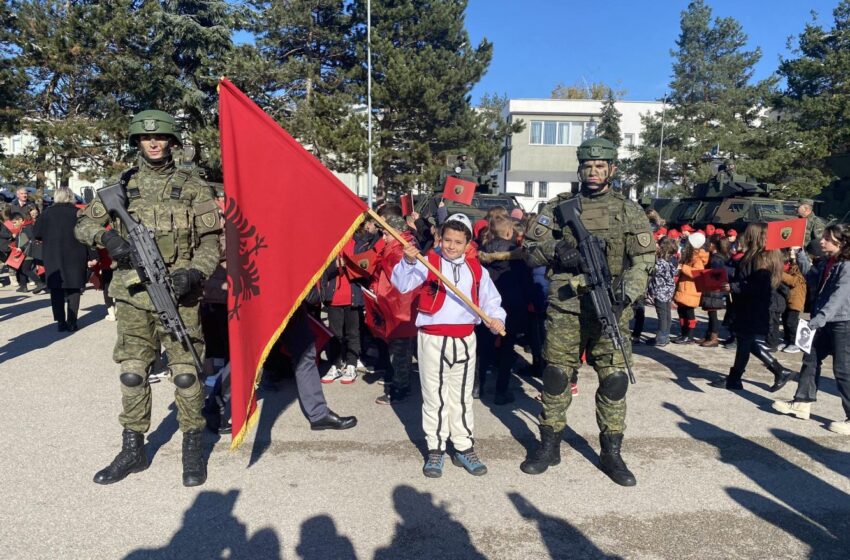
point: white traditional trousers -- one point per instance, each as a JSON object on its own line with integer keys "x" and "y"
{"x": 447, "y": 373}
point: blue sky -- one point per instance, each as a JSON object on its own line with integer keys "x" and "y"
{"x": 538, "y": 43}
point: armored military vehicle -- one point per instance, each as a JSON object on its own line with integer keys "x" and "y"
{"x": 727, "y": 200}
{"x": 833, "y": 203}
{"x": 486, "y": 191}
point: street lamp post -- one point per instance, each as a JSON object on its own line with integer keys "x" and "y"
{"x": 369, "y": 188}
{"x": 660, "y": 146}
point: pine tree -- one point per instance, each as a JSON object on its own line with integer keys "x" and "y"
{"x": 12, "y": 80}
{"x": 310, "y": 76}
{"x": 424, "y": 68}
{"x": 711, "y": 102}
{"x": 814, "y": 108}
{"x": 609, "y": 120}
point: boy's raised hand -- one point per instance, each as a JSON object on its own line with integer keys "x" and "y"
{"x": 496, "y": 326}
{"x": 410, "y": 253}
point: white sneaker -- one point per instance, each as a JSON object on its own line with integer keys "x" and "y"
{"x": 791, "y": 349}
{"x": 332, "y": 375}
{"x": 361, "y": 366}
{"x": 801, "y": 410}
{"x": 840, "y": 427}
{"x": 349, "y": 375}
{"x": 110, "y": 313}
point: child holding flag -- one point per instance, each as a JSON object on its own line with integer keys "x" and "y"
{"x": 446, "y": 341}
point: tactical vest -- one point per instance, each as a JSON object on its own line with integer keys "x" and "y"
{"x": 432, "y": 293}
{"x": 604, "y": 216}
{"x": 161, "y": 203}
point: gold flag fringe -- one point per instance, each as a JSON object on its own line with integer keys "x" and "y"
{"x": 252, "y": 420}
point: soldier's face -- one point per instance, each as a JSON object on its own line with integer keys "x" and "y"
{"x": 595, "y": 173}
{"x": 154, "y": 146}
{"x": 804, "y": 210}
{"x": 453, "y": 243}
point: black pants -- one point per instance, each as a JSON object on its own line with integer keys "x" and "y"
{"x": 496, "y": 352}
{"x": 214, "y": 327}
{"x": 833, "y": 339}
{"x": 640, "y": 318}
{"x": 665, "y": 318}
{"x": 773, "y": 335}
{"x": 750, "y": 344}
{"x": 58, "y": 300}
{"x": 105, "y": 280}
{"x": 27, "y": 272}
{"x": 790, "y": 321}
{"x": 345, "y": 324}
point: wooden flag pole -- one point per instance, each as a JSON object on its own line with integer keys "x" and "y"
{"x": 398, "y": 237}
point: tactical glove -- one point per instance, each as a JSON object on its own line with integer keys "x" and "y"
{"x": 568, "y": 256}
{"x": 183, "y": 281}
{"x": 118, "y": 248}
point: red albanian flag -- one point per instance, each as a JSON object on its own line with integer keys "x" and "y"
{"x": 459, "y": 190}
{"x": 710, "y": 279}
{"x": 785, "y": 233}
{"x": 287, "y": 218}
{"x": 407, "y": 204}
{"x": 361, "y": 265}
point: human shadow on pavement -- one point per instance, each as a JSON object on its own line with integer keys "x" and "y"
{"x": 684, "y": 370}
{"x": 562, "y": 540}
{"x": 164, "y": 432}
{"x": 275, "y": 396}
{"x": 211, "y": 530}
{"x": 806, "y": 507}
{"x": 426, "y": 530}
{"x": 27, "y": 342}
{"x": 409, "y": 413}
{"x": 321, "y": 541}
{"x": 511, "y": 416}
{"x": 25, "y": 304}
{"x": 833, "y": 459}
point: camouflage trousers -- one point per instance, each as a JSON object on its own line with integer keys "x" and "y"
{"x": 139, "y": 336}
{"x": 568, "y": 335}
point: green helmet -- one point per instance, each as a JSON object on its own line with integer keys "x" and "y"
{"x": 597, "y": 148}
{"x": 153, "y": 122}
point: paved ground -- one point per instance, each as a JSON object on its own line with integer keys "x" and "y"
{"x": 719, "y": 475}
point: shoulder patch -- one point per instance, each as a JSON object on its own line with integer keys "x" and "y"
{"x": 544, "y": 220}
{"x": 644, "y": 239}
{"x": 98, "y": 210}
{"x": 209, "y": 220}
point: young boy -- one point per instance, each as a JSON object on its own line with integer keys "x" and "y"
{"x": 446, "y": 341}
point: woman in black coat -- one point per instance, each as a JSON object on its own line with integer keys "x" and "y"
{"x": 65, "y": 259}
{"x": 758, "y": 274}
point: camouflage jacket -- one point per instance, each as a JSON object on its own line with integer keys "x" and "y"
{"x": 814, "y": 229}
{"x": 186, "y": 228}
{"x": 627, "y": 236}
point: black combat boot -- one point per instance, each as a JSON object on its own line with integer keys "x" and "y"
{"x": 612, "y": 463}
{"x": 548, "y": 454}
{"x": 131, "y": 459}
{"x": 194, "y": 468}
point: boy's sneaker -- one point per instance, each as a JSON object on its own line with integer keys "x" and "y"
{"x": 392, "y": 397}
{"x": 791, "y": 349}
{"x": 433, "y": 464}
{"x": 363, "y": 367}
{"x": 332, "y": 375}
{"x": 110, "y": 313}
{"x": 349, "y": 375}
{"x": 801, "y": 410}
{"x": 840, "y": 427}
{"x": 469, "y": 460}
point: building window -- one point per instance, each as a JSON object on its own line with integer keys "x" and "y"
{"x": 543, "y": 189}
{"x": 560, "y": 133}
{"x": 629, "y": 139}
{"x": 529, "y": 188}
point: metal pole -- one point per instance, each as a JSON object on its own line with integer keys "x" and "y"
{"x": 660, "y": 146}
{"x": 369, "y": 96}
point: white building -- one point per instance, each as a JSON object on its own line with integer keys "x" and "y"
{"x": 20, "y": 143}
{"x": 541, "y": 161}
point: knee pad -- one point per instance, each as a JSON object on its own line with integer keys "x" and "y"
{"x": 184, "y": 380}
{"x": 614, "y": 386}
{"x": 555, "y": 380}
{"x": 131, "y": 379}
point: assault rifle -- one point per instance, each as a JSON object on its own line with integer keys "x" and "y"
{"x": 595, "y": 268}
{"x": 147, "y": 260}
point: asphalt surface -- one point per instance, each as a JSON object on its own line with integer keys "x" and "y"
{"x": 719, "y": 475}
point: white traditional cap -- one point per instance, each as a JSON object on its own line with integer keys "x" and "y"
{"x": 462, "y": 219}
{"x": 697, "y": 240}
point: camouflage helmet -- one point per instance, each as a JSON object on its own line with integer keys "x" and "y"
{"x": 152, "y": 121}
{"x": 597, "y": 149}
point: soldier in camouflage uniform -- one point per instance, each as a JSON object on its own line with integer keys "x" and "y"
{"x": 172, "y": 200}
{"x": 571, "y": 323}
{"x": 814, "y": 225}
